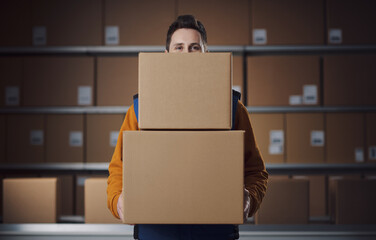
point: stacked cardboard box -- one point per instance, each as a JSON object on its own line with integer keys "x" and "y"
{"x": 11, "y": 78}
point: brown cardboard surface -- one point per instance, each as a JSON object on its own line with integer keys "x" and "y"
{"x": 238, "y": 75}
{"x": 22, "y": 204}
{"x": 290, "y": 21}
{"x": 98, "y": 134}
{"x": 10, "y": 75}
{"x": 185, "y": 91}
{"x": 19, "y": 145}
{"x": 140, "y": 22}
{"x": 80, "y": 192}
{"x": 371, "y": 136}
{"x": 299, "y": 148}
{"x": 344, "y": 133}
{"x": 285, "y": 202}
{"x": 96, "y": 210}
{"x": 54, "y": 81}
{"x": 117, "y": 80}
{"x": 273, "y": 79}
{"x": 262, "y": 125}
{"x": 2, "y": 138}
{"x": 226, "y": 22}
{"x": 181, "y": 171}
{"x": 59, "y": 146}
{"x": 356, "y": 19}
{"x": 341, "y": 72}
{"x": 69, "y": 22}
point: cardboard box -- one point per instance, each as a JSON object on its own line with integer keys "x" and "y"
{"x": 2, "y": 138}
{"x": 349, "y": 80}
{"x": 226, "y": 22}
{"x": 79, "y": 204}
{"x": 117, "y": 80}
{"x": 182, "y": 177}
{"x": 269, "y": 131}
{"x": 67, "y": 23}
{"x": 371, "y": 137}
{"x": 22, "y": 204}
{"x": 305, "y": 137}
{"x": 102, "y": 132}
{"x": 25, "y": 138}
{"x": 96, "y": 210}
{"x": 292, "y": 22}
{"x": 345, "y": 140}
{"x": 238, "y": 76}
{"x": 200, "y": 91}
{"x": 285, "y": 202}
{"x": 59, "y": 81}
{"x": 15, "y": 24}
{"x": 11, "y": 77}
{"x": 283, "y": 80}
{"x": 351, "y": 22}
{"x": 138, "y": 22}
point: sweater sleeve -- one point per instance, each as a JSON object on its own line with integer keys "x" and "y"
{"x": 255, "y": 174}
{"x": 115, "y": 169}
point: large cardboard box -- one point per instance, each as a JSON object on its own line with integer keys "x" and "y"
{"x": 25, "y": 141}
{"x": 58, "y": 81}
{"x": 22, "y": 204}
{"x": 67, "y": 23}
{"x": 117, "y": 80}
{"x": 184, "y": 177}
{"x": 96, "y": 210}
{"x": 2, "y": 138}
{"x": 349, "y": 80}
{"x": 285, "y": 202}
{"x": 11, "y": 69}
{"x": 226, "y": 22}
{"x": 64, "y": 138}
{"x": 197, "y": 86}
{"x": 351, "y": 22}
{"x": 283, "y": 80}
{"x": 345, "y": 140}
{"x": 102, "y": 132}
{"x": 285, "y": 22}
{"x": 305, "y": 137}
{"x": 137, "y": 22}
{"x": 269, "y": 130}
{"x": 371, "y": 137}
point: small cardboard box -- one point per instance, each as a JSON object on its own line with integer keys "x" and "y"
{"x": 183, "y": 177}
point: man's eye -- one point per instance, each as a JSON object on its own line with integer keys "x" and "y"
{"x": 179, "y": 48}
{"x": 196, "y": 48}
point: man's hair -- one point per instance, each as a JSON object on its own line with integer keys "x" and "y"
{"x": 186, "y": 21}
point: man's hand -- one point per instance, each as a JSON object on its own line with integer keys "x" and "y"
{"x": 246, "y": 205}
{"x": 120, "y": 207}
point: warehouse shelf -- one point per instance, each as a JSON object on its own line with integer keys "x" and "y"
{"x": 320, "y": 109}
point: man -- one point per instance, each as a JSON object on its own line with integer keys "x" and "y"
{"x": 187, "y": 35}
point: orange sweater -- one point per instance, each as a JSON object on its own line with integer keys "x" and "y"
{"x": 255, "y": 175}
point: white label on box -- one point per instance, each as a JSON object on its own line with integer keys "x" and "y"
{"x": 317, "y": 138}
{"x": 12, "y": 96}
{"x": 310, "y": 94}
{"x": 112, "y": 35}
{"x": 36, "y": 137}
{"x": 237, "y": 88}
{"x": 359, "y": 155}
{"x": 335, "y": 36}
{"x": 259, "y": 36}
{"x": 275, "y": 149}
{"x": 81, "y": 181}
{"x": 276, "y": 137}
{"x": 113, "y": 138}
{"x": 39, "y": 35}
{"x": 75, "y": 138}
{"x": 372, "y": 153}
{"x": 84, "y": 95}
{"x": 295, "y": 100}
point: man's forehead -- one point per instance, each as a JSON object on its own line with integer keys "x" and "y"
{"x": 186, "y": 35}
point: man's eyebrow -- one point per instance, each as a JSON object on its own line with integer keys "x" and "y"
{"x": 178, "y": 44}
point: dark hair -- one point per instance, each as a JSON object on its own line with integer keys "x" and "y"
{"x": 186, "y": 21}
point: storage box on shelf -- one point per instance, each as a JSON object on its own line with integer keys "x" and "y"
{"x": 238, "y": 76}
{"x": 371, "y": 137}
{"x": 11, "y": 78}
{"x": 2, "y": 138}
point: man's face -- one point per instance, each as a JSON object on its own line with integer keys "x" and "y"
{"x": 186, "y": 40}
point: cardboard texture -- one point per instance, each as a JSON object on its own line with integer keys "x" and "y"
{"x": 96, "y": 210}
{"x": 341, "y": 72}
{"x": 273, "y": 79}
{"x": 11, "y": 76}
{"x": 371, "y": 137}
{"x": 56, "y": 81}
{"x": 285, "y": 202}
{"x": 70, "y": 22}
{"x": 64, "y": 138}
{"x": 226, "y": 22}
{"x": 174, "y": 181}
{"x": 34, "y": 208}
{"x": 2, "y": 138}
{"x": 290, "y": 21}
{"x": 344, "y": 135}
{"x": 188, "y": 84}
{"x": 140, "y": 22}
{"x": 300, "y": 147}
{"x": 117, "y": 80}
{"x": 99, "y": 144}
{"x": 238, "y": 76}
{"x": 25, "y": 138}
{"x": 355, "y": 18}
{"x": 262, "y": 125}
